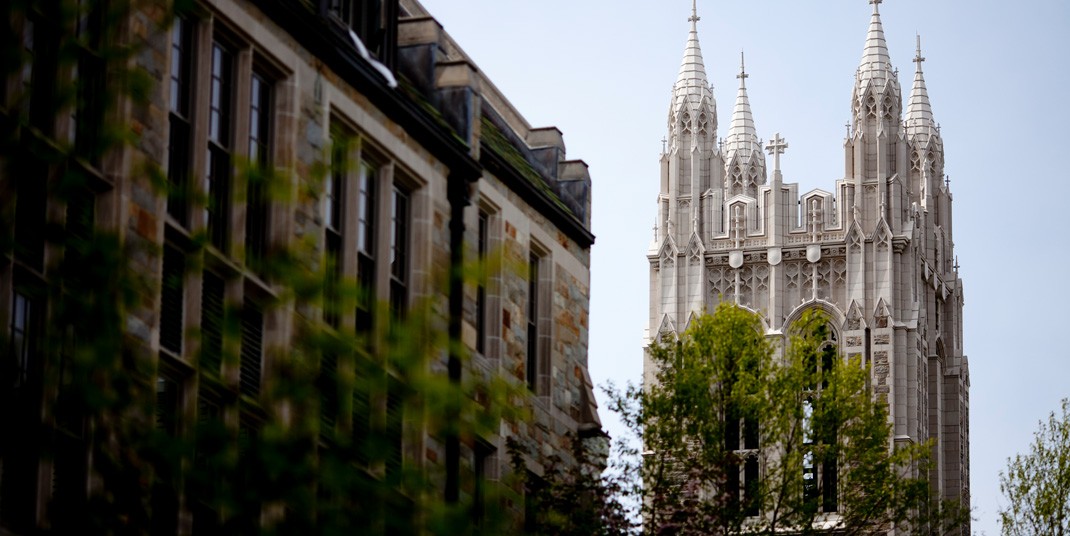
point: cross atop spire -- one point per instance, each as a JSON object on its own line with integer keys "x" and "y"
{"x": 742, "y": 68}
{"x": 694, "y": 12}
{"x": 918, "y": 58}
{"x": 776, "y": 147}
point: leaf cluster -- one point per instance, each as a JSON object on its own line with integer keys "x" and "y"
{"x": 1037, "y": 484}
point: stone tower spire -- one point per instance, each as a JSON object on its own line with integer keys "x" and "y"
{"x": 875, "y": 149}
{"x": 692, "y": 84}
{"x": 923, "y": 139}
{"x": 876, "y": 65}
{"x": 744, "y": 159}
{"x": 919, "y": 118}
{"x": 690, "y": 164}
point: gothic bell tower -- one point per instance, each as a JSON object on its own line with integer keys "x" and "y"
{"x": 874, "y": 252}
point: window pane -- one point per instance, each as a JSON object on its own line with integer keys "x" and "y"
{"x": 172, "y": 300}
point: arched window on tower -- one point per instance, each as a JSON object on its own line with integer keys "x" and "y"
{"x": 820, "y": 467}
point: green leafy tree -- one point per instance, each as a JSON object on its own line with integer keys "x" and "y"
{"x": 740, "y": 438}
{"x": 1037, "y": 485}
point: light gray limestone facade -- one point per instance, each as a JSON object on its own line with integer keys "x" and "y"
{"x": 875, "y": 253}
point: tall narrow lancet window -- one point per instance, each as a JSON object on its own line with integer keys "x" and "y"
{"x": 219, "y": 146}
{"x": 820, "y": 466}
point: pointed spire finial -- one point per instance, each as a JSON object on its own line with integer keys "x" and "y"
{"x": 694, "y": 13}
{"x": 742, "y": 69}
{"x": 875, "y": 4}
{"x": 918, "y": 57}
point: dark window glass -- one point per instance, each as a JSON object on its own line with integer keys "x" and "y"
{"x": 69, "y": 482}
{"x": 87, "y": 116}
{"x": 29, "y": 51}
{"x": 732, "y": 484}
{"x": 750, "y": 478}
{"x": 534, "y": 487}
{"x": 533, "y": 322}
{"x": 365, "y": 18}
{"x": 252, "y": 353}
{"x": 484, "y": 453}
{"x": 362, "y": 413}
{"x": 395, "y": 418}
{"x": 30, "y": 204}
{"x": 168, "y": 405}
{"x": 179, "y": 156}
{"x": 212, "y": 323}
{"x": 164, "y": 490}
{"x": 481, "y": 288}
{"x": 257, "y": 214}
{"x": 37, "y": 73}
{"x": 328, "y": 388}
{"x": 731, "y": 427}
{"x": 24, "y": 328}
{"x": 399, "y": 252}
{"x": 172, "y": 300}
{"x": 750, "y": 433}
{"x": 211, "y": 442}
{"x": 81, "y": 214}
{"x": 829, "y": 484}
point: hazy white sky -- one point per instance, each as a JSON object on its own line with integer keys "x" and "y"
{"x": 997, "y": 74}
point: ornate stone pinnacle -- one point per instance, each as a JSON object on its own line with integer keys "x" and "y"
{"x": 694, "y": 12}
{"x": 742, "y": 68}
{"x": 918, "y": 57}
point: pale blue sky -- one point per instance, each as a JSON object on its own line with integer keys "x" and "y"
{"x": 997, "y": 74}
